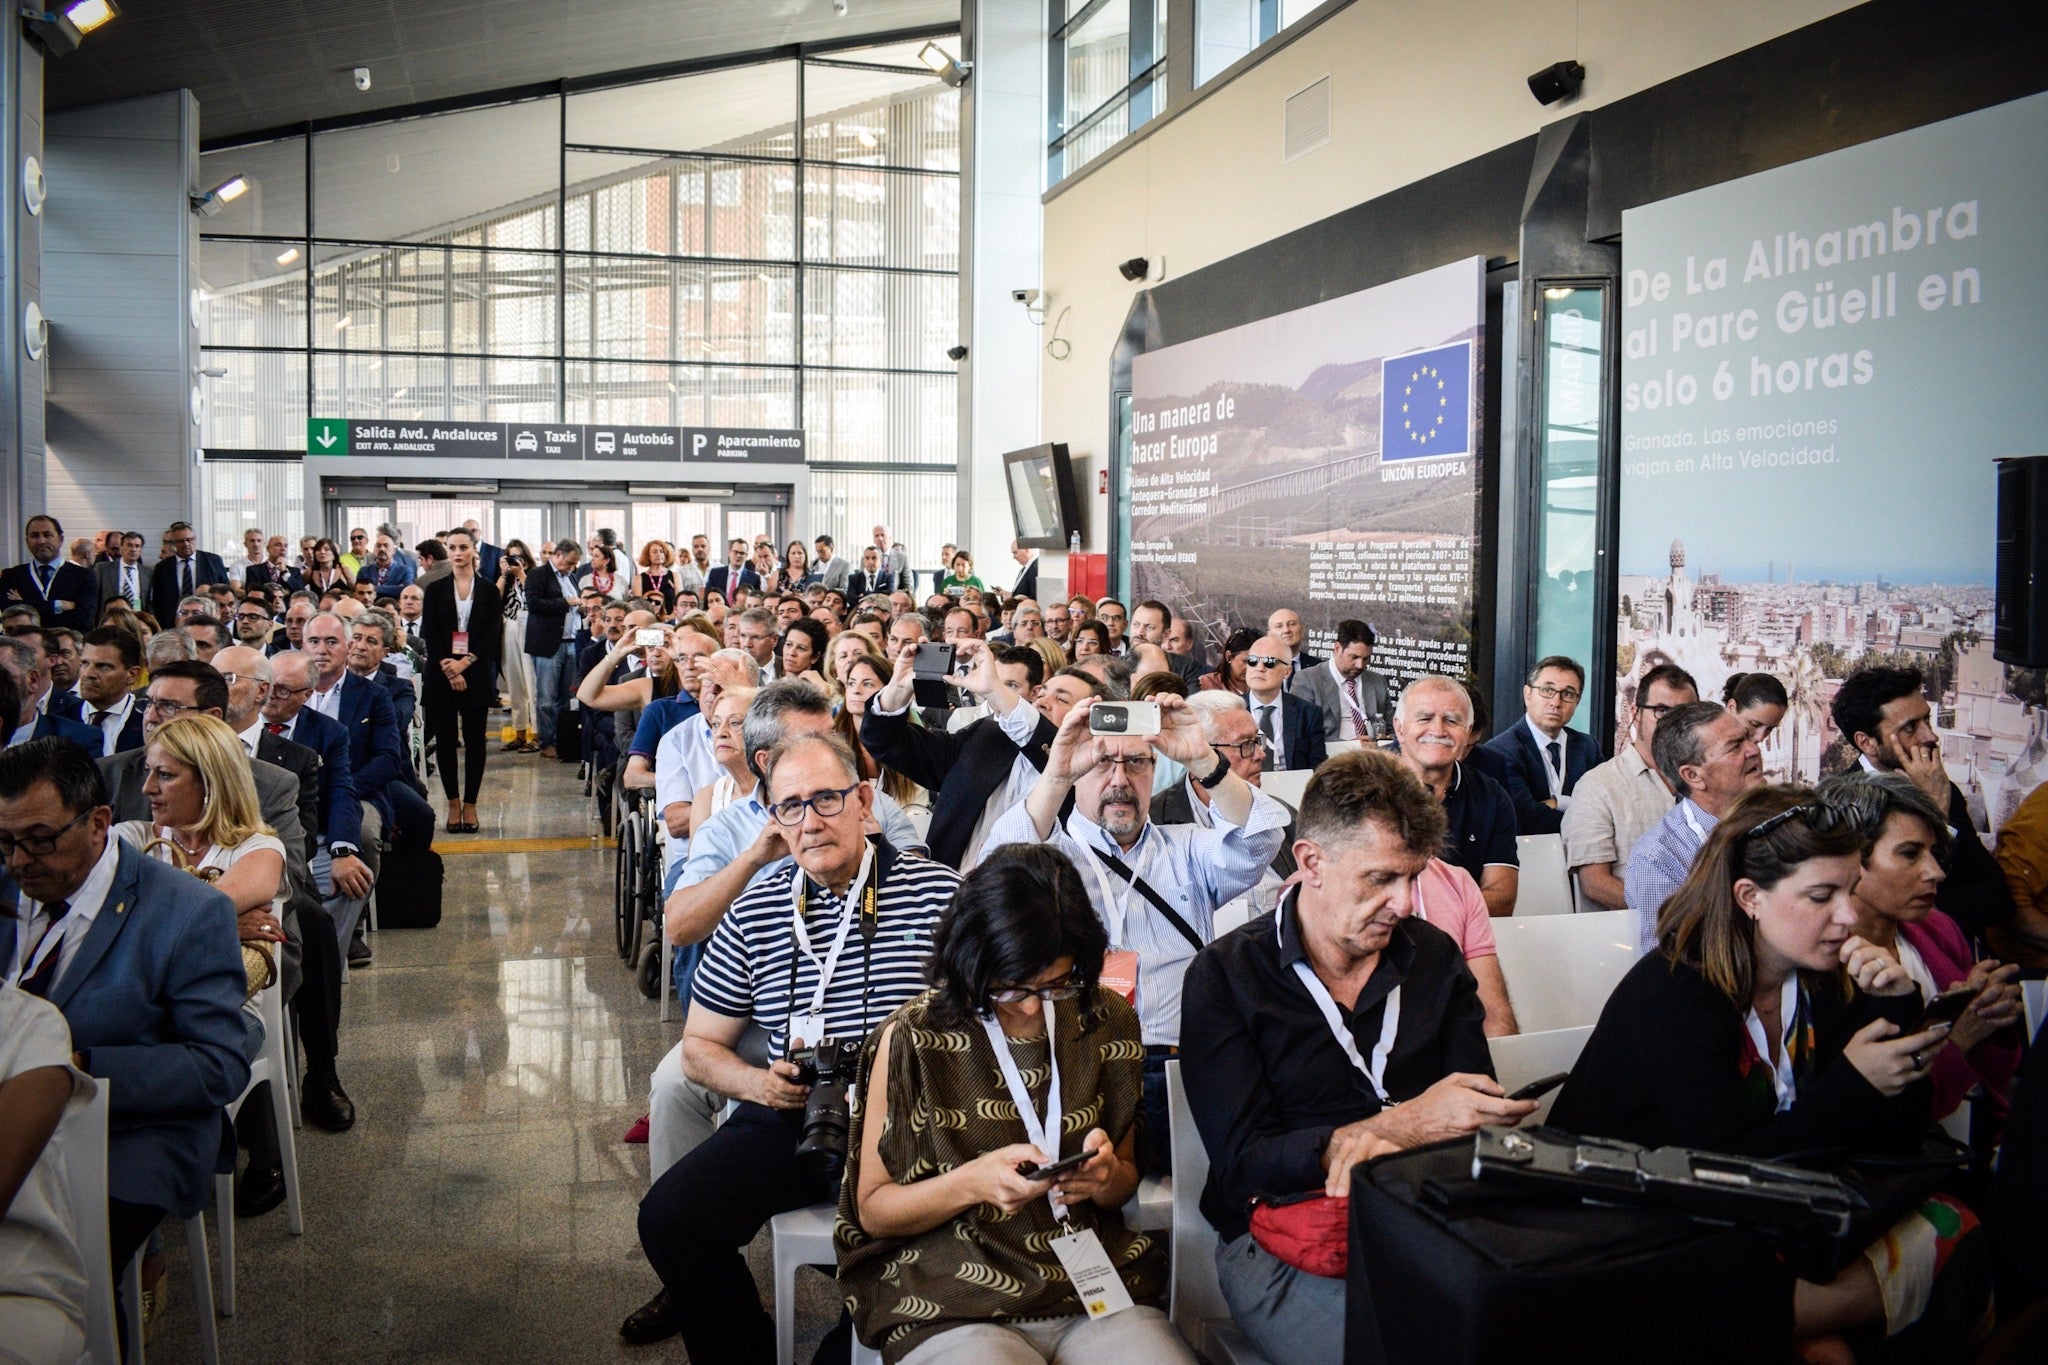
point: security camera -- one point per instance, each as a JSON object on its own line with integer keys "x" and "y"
{"x": 1027, "y": 297}
{"x": 362, "y": 75}
{"x": 1558, "y": 81}
{"x": 839, "y": 8}
{"x": 1135, "y": 269}
{"x": 956, "y": 353}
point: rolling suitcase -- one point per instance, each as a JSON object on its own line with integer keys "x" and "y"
{"x": 409, "y": 890}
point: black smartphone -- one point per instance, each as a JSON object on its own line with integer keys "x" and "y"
{"x": 1052, "y": 1170}
{"x": 1536, "y": 1090}
{"x": 929, "y": 671}
{"x": 1945, "y": 1008}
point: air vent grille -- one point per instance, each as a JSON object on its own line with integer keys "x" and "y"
{"x": 1308, "y": 120}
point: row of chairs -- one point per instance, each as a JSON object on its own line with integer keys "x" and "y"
{"x": 81, "y": 1142}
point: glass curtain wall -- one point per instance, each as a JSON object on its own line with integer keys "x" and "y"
{"x": 1227, "y": 29}
{"x": 773, "y": 244}
{"x": 1106, "y": 77}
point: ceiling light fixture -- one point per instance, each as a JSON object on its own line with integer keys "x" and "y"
{"x": 60, "y": 31}
{"x": 220, "y": 196}
{"x": 944, "y": 64}
{"x": 288, "y": 255}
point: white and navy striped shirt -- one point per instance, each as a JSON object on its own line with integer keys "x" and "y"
{"x": 745, "y": 970}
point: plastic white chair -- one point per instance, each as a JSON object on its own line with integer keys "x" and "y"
{"x": 1545, "y": 886}
{"x": 1198, "y": 1311}
{"x": 1286, "y": 786}
{"x": 963, "y": 716}
{"x": 2034, "y": 1003}
{"x": 1560, "y": 969}
{"x": 1342, "y": 746}
{"x": 1150, "y": 1208}
{"x": 272, "y": 1065}
{"x": 202, "y": 1295}
{"x": 1525, "y": 1057}
{"x": 801, "y": 1237}
{"x": 81, "y": 1144}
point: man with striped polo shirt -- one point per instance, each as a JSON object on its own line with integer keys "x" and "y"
{"x": 823, "y": 949}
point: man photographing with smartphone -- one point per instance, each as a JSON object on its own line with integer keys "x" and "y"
{"x": 1156, "y": 888}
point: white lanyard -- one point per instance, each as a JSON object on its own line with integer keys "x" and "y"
{"x": 847, "y": 914}
{"x": 1781, "y": 1065}
{"x": 1044, "y": 1133}
{"x": 1116, "y": 892}
{"x": 1685, "y": 809}
{"x": 1374, "y": 1071}
{"x": 1552, "y": 770}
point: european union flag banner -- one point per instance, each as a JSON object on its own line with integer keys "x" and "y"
{"x": 1426, "y": 404}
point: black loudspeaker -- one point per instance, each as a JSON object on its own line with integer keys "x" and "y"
{"x": 2020, "y": 630}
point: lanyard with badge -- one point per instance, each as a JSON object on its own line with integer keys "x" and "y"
{"x": 1120, "y": 964}
{"x": 1374, "y": 1071}
{"x": 1100, "y": 1289}
{"x": 460, "y": 645}
{"x": 810, "y": 1025}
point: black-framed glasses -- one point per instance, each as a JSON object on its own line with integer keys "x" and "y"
{"x": 1549, "y": 693}
{"x": 1818, "y": 816}
{"x": 40, "y": 845}
{"x": 1244, "y": 748}
{"x": 165, "y": 707}
{"x": 1013, "y": 995}
{"x": 1659, "y": 711}
{"x": 1263, "y": 661}
{"x": 826, "y": 803}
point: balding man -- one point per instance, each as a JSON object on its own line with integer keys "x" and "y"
{"x": 1433, "y": 721}
{"x": 1291, "y": 726}
{"x": 1285, "y": 625}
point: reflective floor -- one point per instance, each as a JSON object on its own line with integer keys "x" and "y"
{"x": 483, "y": 1207}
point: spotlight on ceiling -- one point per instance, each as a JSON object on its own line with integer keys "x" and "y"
{"x": 61, "y": 30}
{"x": 1557, "y": 82}
{"x": 944, "y": 64}
{"x": 1135, "y": 269}
{"x": 220, "y": 196}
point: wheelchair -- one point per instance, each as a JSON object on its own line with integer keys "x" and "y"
{"x": 636, "y": 886}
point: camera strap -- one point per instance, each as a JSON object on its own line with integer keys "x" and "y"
{"x": 860, "y": 895}
{"x": 1044, "y": 1133}
{"x": 1148, "y": 891}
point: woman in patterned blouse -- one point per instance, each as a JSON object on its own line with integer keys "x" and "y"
{"x": 945, "y": 1248}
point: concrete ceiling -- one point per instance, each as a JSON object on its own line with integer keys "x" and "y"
{"x": 272, "y": 64}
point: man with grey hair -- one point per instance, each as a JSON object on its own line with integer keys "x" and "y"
{"x": 169, "y": 646}
{"x": 1710, "y": 757}
{"x": 1228, "y": 726}
{"x": 25, "y": 663}
{"x": 757, "y": 636}
{"x": 1433, "y": 721}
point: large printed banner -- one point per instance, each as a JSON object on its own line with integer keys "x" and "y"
{"x": 1821, "y": 363}
{"x": 1325, "y": 460}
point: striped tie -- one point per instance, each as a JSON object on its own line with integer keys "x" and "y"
{"x": 39, "y": 981}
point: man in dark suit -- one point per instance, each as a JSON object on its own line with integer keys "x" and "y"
{"x": 1150, "y": 621}
{"x": 145, "y": 964}
{"x": 1291, "y": 726}
{"x": 1027, "y": 571}
{"x": 24, "y": 663}
{"x": 63, "y": 593}
{"x": 107, "y": 670}
{"x": 552, "y": 620}
{"x": 378, "y": 730}
{"x": 1542, "y": 758}
{"x": 1355, "y": 702}
{"x": 1285, "y": 625}
{"x": 125, "y": 576}
{"x": 488, "y": 557}
{"x": 870, "y": 578}
{"x": 277, "y": 570}
{"x": 733, "y": 577}
{"x": 983, "y": 770}
{"x": 184, "y": 571}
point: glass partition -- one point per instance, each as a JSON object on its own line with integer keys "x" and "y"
{"x": 1573, "y": 408}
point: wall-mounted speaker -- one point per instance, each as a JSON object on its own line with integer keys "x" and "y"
{"x": 2020, "y": 617}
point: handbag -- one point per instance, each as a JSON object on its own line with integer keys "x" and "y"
{"x": 1309, "y": 1231}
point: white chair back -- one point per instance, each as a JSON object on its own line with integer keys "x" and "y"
{"x": 1544, "y": 887}
{"x": 1560, "y": 969}
{"x": 1196, "y": 1297}
{"x": 81, "y": 1143}
{"x": 963, "y": 716}
{"x": 1342, "y": 746}
{"x": 2034, "y": 1001}
{"x": 1286, "y": 786}
{"x": 1526, "y": 1057}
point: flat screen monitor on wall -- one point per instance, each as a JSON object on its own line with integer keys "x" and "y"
{"x": 1042, "y": 497}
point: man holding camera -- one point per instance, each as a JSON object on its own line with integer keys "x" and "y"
{"x": 817, "y": 954}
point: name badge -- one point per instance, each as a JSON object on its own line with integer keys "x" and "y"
{"x": 807, "y": 1028}
{"x": 1120, "y": 974}
{"x": 460, "y": 647}
{"x": 1095, "y": 1280}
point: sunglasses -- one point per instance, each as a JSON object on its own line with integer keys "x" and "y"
{"x": 1818, "y": 816}
{"x": 1263, "y": 661}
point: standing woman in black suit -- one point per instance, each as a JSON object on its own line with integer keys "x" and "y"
{"x": 463, "y": 630}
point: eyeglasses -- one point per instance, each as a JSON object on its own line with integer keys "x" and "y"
{"x": 1263, "y": 661}
{"x": 40, "y": 845}
{"x": 1658, "y": 711}
{"x": 280, "y": 690}
{"x": 1011, "y": 995}
{"x": 1248, "y": 748}
{"x": 1128, "y": 762}
{"x": 1549, "y": 693}
{"x": 163, "y": 706}
{"x": 825, "y": 803}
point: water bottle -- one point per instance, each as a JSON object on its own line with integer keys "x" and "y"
{"x": 1074, "y": 543}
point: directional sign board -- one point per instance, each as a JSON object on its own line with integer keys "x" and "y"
{"x": 334, "y": 437}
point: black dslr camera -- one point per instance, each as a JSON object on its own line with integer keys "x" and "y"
{"x": 829, "y": 1069}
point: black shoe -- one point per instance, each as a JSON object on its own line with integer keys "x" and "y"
{"x": 325, "y": 1105}
{"x": 260, "y": 1190}
{"x": 358, "y": 954}
{"x": 655, "y": 1320}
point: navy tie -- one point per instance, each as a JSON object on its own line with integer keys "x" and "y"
{"x": 39, "y": 982}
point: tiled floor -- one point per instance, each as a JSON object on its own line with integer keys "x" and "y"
{"x": 483, "y": 1207}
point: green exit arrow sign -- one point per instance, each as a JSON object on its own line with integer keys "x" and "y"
{"x": 327, "y": 436}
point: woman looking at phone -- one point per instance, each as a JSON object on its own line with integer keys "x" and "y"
{"x": 948, "y": 1251}
{"x": 1906, "y": 841}
{"x": 1764, "y": 1025}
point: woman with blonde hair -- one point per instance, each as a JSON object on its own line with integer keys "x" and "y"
{"x": 203, "y": 804}
{"x": 1054, "y": 654}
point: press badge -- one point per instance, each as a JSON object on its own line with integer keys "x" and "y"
{"x": 1120, "y": 974}
{"x": 460, "y": 647}
{"x": 1095, "y": 1280}
{"x": 808, "y": 1027}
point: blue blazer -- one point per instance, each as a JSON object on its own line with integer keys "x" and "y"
{"x": 73, "y": 584}
{"x": 154, "y": 1000}
{"x": 715, "y": 581}
{"x": 376, "y": 749}
{"x": 1528, "y": 777}
{"x": 341, "y": 810}
{"x": 85, "y": 736}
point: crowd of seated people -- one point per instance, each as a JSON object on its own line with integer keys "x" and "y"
{"x": 891, "y": 828}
